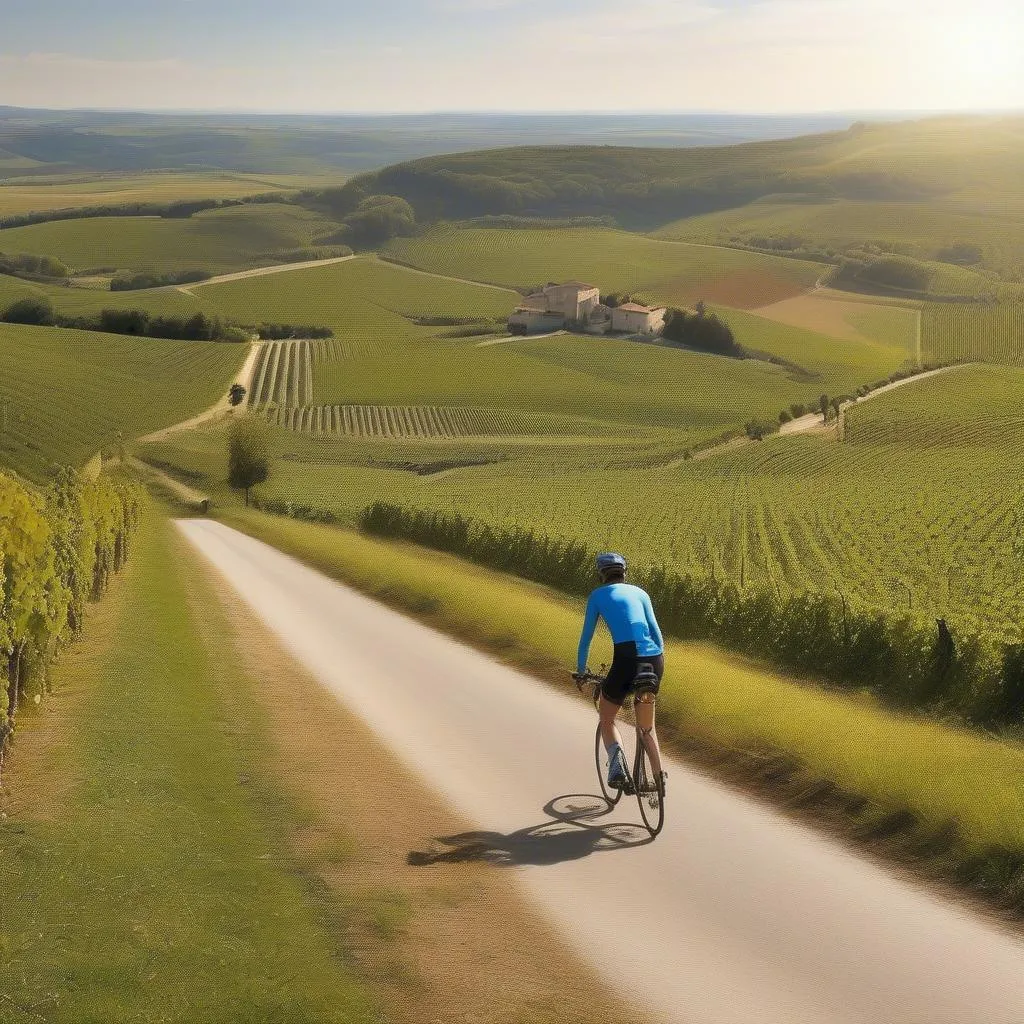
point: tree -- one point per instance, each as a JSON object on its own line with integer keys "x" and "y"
{"x": 38, "y": 312}
{"x": 248, "y": 454}
{"x": 707, "y": 333}
{"x": 823, "y": 407}
{"x": 235, "y": 394}
{"x": 378, "y": 218}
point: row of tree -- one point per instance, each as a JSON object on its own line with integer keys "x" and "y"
{"x": 907, "y": 661}
{"x": 39, "y": 312}
{"x": 57, "y": 552}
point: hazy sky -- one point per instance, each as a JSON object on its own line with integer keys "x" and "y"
{"x": 412, "y": 55}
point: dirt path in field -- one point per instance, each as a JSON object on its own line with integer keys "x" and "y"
{"x": 734, "y": 915}
{"x": 278, "y": 268}
{"x": 187, "y": 494}
{"x": 448, "y": 277}
{"x": 221, "y": 407}
{"x": 452, "y": 942}
{"x": 812, "y": 423}
{"x": 517, "y": 337}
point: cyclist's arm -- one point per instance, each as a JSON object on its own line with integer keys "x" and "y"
{"x": 652, "y": 622}
{"x": 589, "y": 625}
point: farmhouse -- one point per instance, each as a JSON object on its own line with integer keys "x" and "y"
{"x": 575, "y": 303}
{"x": 633, "y": 318}
{"x": 554, "y": 306}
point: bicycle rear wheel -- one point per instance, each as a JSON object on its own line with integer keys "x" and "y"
{"x": 650, "y": 791}
{"x": 600, "y": 757}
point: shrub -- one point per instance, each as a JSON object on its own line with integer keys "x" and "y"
{"x": 150, "y": 279}
{"x": 785, "y": 416}
{"x": 758, "y": 429}
{"x": 35, "y": 311}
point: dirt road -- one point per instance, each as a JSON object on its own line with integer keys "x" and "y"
{"x": 734, "y": 915}
{"x": 219, "y": 408}
{"x": 278, "y": 268}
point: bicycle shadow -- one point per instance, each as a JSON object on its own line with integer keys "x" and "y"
{"x": 569, "y": 834}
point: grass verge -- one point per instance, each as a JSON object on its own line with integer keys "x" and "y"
{"x": 939, "y": 797}
{"x": 157, "y": 890}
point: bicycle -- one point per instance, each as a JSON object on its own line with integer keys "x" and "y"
{"x": 641, "y": 781}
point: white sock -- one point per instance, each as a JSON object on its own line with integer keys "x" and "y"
{"x": 612, "y": 751}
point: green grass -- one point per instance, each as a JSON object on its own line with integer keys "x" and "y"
{"x": 68, "y": 393}
{"x": 921, "y": 229}
{"x": 943, "y": 776}
{"x": 219, "y": 241}
{"x": 614, "y": 261}
{"x": 155, "y": 887}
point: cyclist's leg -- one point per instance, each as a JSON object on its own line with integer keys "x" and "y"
{"x": 609, "y": 730}
{"x": 643, "y": 709}
{"x": 613, "y": 692}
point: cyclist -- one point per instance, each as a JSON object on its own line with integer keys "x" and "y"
{"x": 629, "y": 616}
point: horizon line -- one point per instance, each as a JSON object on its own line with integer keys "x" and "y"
{"x": 532, "y": 112}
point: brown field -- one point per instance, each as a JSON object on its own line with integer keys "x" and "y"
{"x": 841, "y": 318}
{"x": 740, "y": 289}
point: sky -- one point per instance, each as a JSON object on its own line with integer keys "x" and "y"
{"x": 769, "y": 56}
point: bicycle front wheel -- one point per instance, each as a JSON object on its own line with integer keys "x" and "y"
{"x": 650, "y": 791}
{"x": 612, "y": 796}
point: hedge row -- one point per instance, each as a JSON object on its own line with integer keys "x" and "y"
{"x": 177, "y": 209}
{"x": 907, "y": 661}
{"x": 292, "y": 510}
{"x": 57, "y": 551}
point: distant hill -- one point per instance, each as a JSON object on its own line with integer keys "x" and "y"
{"x": 42, "y": 142}
{"x": 972, "y": 159}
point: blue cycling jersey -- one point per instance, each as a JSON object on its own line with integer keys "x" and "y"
{"x": 629, "y": 616}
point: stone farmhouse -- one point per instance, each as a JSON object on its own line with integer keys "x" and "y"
{"x": 575, "y": 303}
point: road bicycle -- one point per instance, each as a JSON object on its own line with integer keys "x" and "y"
{"x": 641, "y": 780}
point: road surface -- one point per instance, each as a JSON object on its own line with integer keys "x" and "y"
{"x": 277, "y": 268}
{"x": 734, "y": 915}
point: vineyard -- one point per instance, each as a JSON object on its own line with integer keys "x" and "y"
{"x": 59, "y": 550}
{"x": 920, "y": 509}
{"x": 284, "y": 371}
{"x": 372, "y": 306}
{"x": 614, "y": 260}
{"x": 408, "y": 421}
{"x": 219, "y": 241}
{"x": 993, "y": 333}
{"x": 65, "y": 394}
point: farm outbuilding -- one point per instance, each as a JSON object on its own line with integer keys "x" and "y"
{"x": 632, "y": 318}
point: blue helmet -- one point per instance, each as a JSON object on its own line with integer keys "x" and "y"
{"x": 610, "y": 560}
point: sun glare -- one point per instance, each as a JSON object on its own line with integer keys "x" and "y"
{"x": 979, "y": 57}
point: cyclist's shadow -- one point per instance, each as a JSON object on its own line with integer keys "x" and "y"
{"x": 569, "y": 834}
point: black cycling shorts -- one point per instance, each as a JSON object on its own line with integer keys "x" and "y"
{"x": 621, "y": 678}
